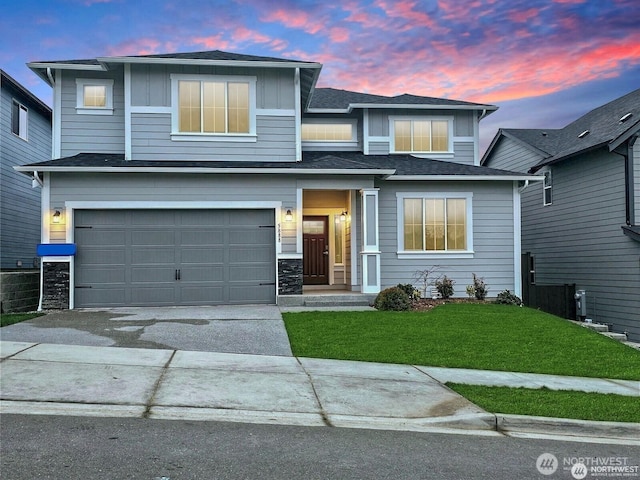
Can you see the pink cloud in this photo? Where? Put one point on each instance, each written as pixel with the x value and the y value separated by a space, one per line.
pixel 523 16
pixel 137 46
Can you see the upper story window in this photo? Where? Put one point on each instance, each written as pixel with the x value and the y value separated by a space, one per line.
pixel 435 223
pixel 213 106
pixel 547 196
pixel 19 120
pixel 327 132
pixel 421 135
pixel 94 96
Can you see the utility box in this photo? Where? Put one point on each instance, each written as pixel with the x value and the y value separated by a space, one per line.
pixel 581 304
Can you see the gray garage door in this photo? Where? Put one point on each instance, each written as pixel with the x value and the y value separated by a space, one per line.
pixel 174 257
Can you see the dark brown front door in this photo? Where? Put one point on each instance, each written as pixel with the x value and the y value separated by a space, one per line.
pixel 315 251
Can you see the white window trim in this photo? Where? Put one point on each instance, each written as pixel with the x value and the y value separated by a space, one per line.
pixel 546 187
pixel 442 154
pixel 432 254
pixel 177 135
pixel 333 121
pixel 23 121
pixel 81 109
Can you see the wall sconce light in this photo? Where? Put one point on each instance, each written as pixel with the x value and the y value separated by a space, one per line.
pixel 343 216
pixel 56 216
pixel 288 217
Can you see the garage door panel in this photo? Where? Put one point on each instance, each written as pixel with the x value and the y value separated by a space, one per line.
pixel 103 297
pixel 150 296
pixel 103 275
pixel 153 255
pixel 132 257
pixel 200 238
pixel 212 255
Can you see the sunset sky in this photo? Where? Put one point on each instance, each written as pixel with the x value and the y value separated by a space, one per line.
pixel 544 63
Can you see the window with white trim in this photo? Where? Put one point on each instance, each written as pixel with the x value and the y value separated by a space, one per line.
pixel 19 115
pixel 421 135
pixel 434 223
pixel 328 132
pixel 213 105
pixel 94 96
pixel 547 195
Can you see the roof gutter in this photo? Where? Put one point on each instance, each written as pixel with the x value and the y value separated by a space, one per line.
pixel 510 178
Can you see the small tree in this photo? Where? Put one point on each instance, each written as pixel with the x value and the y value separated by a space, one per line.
pixel 445 287
pixel 426 278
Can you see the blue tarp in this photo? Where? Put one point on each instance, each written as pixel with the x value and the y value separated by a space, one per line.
pixel 56 249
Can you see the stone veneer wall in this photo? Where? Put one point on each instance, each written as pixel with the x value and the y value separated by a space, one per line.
pixel 290 276
pixel 56 285
pixel 19 291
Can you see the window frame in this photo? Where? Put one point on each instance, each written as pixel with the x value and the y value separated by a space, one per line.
pixel 331 121
pixel 22 121
pixel 392 134
pixel 547 188
pixel 434 254
pixel 177 135
pixel 81 109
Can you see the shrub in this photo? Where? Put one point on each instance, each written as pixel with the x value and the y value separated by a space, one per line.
pixel 392 298
pixel 445 287
pixel 480 289
pixel 507 298
pixel 412 292
pixel 471 291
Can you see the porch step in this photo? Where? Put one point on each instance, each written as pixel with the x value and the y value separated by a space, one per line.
pixel 327 300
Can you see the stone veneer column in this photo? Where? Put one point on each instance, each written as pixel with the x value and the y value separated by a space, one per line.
pixel 290 276
pixel 56 285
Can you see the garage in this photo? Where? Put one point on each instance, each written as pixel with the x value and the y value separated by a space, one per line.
pixel 174 257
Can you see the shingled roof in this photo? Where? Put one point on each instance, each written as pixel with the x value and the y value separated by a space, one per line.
pixel 606 126
pixel 388 166
pixel 335 99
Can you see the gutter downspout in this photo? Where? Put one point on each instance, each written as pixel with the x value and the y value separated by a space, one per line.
pixel 628 184
pixel 50 77
pixel 523 187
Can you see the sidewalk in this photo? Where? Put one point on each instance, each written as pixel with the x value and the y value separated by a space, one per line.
pixel 175 384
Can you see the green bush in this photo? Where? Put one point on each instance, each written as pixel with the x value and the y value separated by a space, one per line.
pixel 445 287
pixel 507 298
pixel 412 292
pixel 480 289
pixel 392 298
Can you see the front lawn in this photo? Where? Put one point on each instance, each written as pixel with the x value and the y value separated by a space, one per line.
pixel 11 318
pixel 551 403
pixel 478 336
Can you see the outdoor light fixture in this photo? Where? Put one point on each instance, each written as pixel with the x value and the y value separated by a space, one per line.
pixel 343 216
pixel 288 216
pixel 56 216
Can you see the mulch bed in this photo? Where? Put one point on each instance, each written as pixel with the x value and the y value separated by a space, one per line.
pixel 424 304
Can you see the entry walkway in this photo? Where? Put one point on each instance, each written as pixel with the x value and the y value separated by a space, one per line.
pixel 176 384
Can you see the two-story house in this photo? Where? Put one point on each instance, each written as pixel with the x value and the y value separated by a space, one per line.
pixel 582 224
pixel 25 137
pixel 214 178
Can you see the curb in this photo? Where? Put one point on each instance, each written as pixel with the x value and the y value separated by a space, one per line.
pixel 564 426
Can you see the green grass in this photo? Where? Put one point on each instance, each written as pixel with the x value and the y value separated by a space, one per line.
pixel 550 403
pixel 11 318
pixel 487 337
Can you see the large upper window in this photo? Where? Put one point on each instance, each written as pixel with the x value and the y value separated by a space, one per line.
pixel 421 135
pixel 214 105
pixel 94 96
pixel 19 120
pixel 434 223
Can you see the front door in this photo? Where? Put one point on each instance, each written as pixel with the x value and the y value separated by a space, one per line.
pixel 315 250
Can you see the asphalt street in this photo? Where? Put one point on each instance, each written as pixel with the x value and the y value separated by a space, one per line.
pixel 70 448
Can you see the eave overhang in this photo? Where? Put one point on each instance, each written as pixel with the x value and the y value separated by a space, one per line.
pixel 492 178
pixel 405 106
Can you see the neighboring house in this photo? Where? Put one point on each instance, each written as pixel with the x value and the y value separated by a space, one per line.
pixel 213 177
pixel 25 137
pixel 582 225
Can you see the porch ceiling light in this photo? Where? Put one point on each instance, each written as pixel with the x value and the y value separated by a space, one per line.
pixel 343 216
pixel 56 216
pixel 288 217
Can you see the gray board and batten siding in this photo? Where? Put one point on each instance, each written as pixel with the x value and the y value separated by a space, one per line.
pixel 19 202
pixel 174 257
pixel 578 238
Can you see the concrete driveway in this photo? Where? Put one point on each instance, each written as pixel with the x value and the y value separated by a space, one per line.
pixel 251 329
